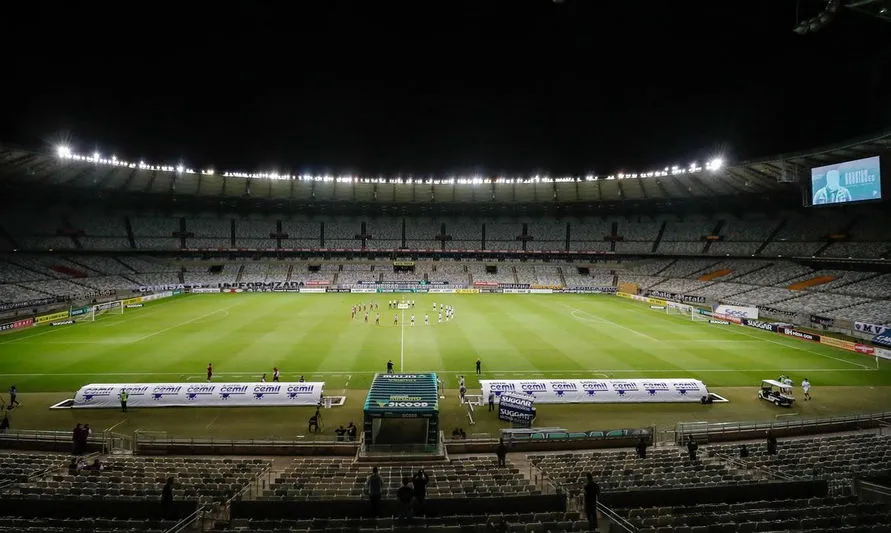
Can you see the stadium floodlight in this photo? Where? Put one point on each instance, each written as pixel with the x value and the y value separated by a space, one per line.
pixel 180 169
pixel 63 151
pixel 95 156
pixel 715 164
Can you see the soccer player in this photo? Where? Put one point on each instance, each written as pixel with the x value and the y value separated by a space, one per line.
pixel 806 387
pixel 209 371
pixel 366 317
pixel 263 378
pixel 426 319
pixel 434 306
pixel 276 375
pixel 353 312
pixel 413 321
pixel 395 320
pixel 389 366
pixel 377 320
pixel 13 397
pixel 440 318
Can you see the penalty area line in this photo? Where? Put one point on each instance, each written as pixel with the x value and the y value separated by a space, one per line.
pixel 603 321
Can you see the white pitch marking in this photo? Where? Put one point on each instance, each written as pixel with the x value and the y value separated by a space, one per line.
pixel 747 334
pixel 402 343
pixel 524 372
pixel 607 322
pixel 212 421
pixel 114 426
pixel 140 339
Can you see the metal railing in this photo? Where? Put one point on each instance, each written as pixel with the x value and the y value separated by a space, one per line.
pixel 187 522
pixel 871 492
pixel 616 519
pixel 704 429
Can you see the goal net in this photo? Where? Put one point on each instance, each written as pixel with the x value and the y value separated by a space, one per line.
pixel 96 311
pixel 698 317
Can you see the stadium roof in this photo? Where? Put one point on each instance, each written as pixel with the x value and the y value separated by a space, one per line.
pixel 107 176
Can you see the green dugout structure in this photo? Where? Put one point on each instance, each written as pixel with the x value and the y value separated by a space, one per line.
pixel 402 413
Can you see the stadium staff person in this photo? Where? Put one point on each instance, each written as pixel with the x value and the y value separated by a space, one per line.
pixel 124 397
pixel 13 397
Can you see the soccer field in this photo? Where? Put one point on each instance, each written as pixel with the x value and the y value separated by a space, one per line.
pixel 558 336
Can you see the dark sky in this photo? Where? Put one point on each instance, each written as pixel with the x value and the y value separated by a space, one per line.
pixel 442 86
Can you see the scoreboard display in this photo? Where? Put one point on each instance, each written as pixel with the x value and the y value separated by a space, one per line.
pixel 845 183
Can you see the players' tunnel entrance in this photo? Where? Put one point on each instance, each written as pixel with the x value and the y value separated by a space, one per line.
pixel 402 413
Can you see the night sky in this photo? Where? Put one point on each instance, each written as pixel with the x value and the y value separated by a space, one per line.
pixel 430 87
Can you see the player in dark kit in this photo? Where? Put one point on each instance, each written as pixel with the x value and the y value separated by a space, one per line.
pixel 478 364
pixel 390 366
pixel 209 371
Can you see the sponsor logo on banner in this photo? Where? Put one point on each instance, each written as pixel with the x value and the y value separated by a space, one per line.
pixel 541 291
pixel 339 289
pixel 18 324
pixel 363 290
pixel 514 285
pixel 62 323
pixel 34 302
pixel 862 348
pixel 441 291
pixel 588 290
pixel 157 296
pixel 134 306
pixel 757 324
pixel 657 307
pixel 467 291
pixel 591 388
pixel 882 340
pixel 676 296
pixel 792 332
pixel 485 283
pixel 883 353
pixel 822 320
pixel 312 290
pixel 53 317
pixel 77 311
pixel 737 311
pixel 131 301
pixel 205 290
pixel 107 305
pixel 838 343
pixel 722 322
pixel 776 312
pixel 598 391
pixel 874 329
pixel 200 394
pixel 515 291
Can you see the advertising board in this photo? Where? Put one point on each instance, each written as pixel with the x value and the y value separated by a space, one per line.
pixel 150 395
pixel 599 390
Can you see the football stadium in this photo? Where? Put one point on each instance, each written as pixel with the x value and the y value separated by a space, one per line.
pixel 691 348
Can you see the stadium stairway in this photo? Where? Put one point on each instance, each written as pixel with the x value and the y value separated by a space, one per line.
pixel 770 237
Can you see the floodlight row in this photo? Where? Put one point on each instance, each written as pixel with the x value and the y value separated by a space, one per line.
pixel 65 153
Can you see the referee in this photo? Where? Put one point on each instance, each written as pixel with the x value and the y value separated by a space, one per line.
pixel 124 397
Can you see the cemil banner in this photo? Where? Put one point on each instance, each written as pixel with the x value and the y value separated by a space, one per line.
pixel 53 317
pixel 599 390
pixel 150 395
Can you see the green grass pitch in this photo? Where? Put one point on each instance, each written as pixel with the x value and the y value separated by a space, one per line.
pixel 515 336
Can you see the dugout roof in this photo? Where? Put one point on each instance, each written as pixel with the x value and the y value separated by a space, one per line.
pixel 402 396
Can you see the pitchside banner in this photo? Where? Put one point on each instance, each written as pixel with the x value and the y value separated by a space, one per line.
pixel 600 390
pixel 43 319
pixel 875 329
pixel 737 311
pixel 108 395
pixel 516 408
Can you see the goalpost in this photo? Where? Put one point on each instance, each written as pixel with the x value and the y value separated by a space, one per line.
pixel 109 308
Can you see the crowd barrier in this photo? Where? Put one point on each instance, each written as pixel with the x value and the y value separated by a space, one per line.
pixel 730 431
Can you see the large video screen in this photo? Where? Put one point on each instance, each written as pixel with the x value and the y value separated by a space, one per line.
pixel 851 181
